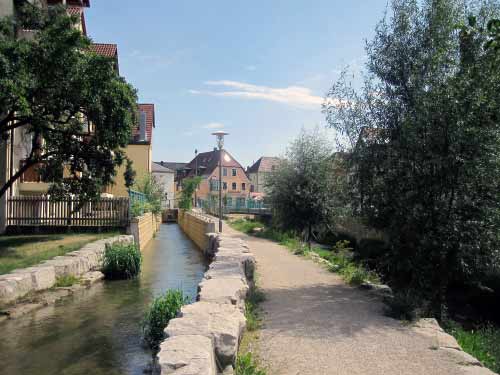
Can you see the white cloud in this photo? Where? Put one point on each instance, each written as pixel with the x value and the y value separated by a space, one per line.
pixel 213 125
pixel 297 96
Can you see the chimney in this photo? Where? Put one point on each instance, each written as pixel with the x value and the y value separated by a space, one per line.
pixel 142 127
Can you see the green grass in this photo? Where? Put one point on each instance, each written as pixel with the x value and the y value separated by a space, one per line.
pixel 21 251
pixel 252 312
pixel 245 226
pixel 246 365
pixel 66 281
pixel 482 343
pixel 353 273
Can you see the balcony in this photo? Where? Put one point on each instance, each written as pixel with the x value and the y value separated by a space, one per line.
pixel 31 181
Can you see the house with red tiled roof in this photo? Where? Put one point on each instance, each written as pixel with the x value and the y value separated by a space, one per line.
pixel 139 150
pixel 107 50
pixel 235 182
pixel 259 172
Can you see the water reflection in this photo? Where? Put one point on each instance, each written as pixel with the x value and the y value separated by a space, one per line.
pixel 98 331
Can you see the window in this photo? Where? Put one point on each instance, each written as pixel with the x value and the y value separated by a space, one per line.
pixel 214 185
pixel 224 185
pixel 224 171
pixel 229 202
pixel 233 186
pixel 234 172
pixel 243 186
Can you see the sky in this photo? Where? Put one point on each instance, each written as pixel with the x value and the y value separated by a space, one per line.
pixel 258 70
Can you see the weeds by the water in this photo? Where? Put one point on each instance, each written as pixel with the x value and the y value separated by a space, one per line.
pixel 160 312
pixel 122 261
pixel 66 281
pixel 482 343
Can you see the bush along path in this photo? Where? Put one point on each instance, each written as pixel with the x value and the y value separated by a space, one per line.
pixel 315 323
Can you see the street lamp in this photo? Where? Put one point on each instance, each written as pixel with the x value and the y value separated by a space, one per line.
pixel 196 176
pixel 220 143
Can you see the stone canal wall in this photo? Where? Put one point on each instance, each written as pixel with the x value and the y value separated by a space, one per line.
pixel 19 283
pixel 198 227
pixel 143 228
pixel 204 339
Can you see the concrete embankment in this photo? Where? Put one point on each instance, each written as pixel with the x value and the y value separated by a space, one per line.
pixel 204 339
pixel 80 263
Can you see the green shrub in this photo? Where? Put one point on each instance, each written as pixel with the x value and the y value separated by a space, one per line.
pixel 160 312
pixel 371 249
pixel 245 365
pixel 482 343
pixel 66 281
pixel 405 305
pixel 121 261
pixel 138 208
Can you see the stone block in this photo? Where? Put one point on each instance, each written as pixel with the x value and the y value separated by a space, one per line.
pixel 14 286
pixel 225 269
pixel 187 355
pixel 247 260
pixel 42 277
pixel 223 323
pixel 67 266
pixel 224 290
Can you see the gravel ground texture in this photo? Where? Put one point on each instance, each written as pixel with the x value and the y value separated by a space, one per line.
pixel 314 324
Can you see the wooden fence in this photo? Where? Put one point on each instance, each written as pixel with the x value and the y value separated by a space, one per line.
pixel 42 211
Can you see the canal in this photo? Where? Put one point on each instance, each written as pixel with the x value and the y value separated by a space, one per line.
pixel 99 331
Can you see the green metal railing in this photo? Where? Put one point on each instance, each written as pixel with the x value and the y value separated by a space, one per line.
pixel 134 198
pixel 235 205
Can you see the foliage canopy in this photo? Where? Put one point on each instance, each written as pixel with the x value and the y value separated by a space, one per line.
pixel 424 135
pixel 68 104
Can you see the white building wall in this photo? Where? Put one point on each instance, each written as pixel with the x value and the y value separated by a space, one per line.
pixel 166 179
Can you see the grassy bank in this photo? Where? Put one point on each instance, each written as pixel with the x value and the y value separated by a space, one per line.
pixel 339 258
pixel 20 251
pixel 482 343
pixel 247 363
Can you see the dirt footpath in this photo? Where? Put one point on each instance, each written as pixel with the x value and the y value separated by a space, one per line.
pixel 314 324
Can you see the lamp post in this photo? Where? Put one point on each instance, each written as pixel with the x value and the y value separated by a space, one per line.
pixel 196 176
pixel 220 143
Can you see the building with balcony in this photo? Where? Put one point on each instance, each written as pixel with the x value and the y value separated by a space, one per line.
pixel 235 183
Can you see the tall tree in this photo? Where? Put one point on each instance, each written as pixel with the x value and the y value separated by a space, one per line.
pixel 303 190
pixel 69 104
pixel 425 138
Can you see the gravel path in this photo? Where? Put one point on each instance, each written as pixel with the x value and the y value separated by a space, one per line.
pixel 313 324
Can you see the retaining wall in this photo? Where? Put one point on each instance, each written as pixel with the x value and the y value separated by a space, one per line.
pixel 19 283
pixel 144 227
pixel 205 337
pixel 197 227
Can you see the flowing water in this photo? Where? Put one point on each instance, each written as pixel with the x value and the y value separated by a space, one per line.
pixel 98 332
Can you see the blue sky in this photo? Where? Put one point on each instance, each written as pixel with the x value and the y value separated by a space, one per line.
pixel 258 69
